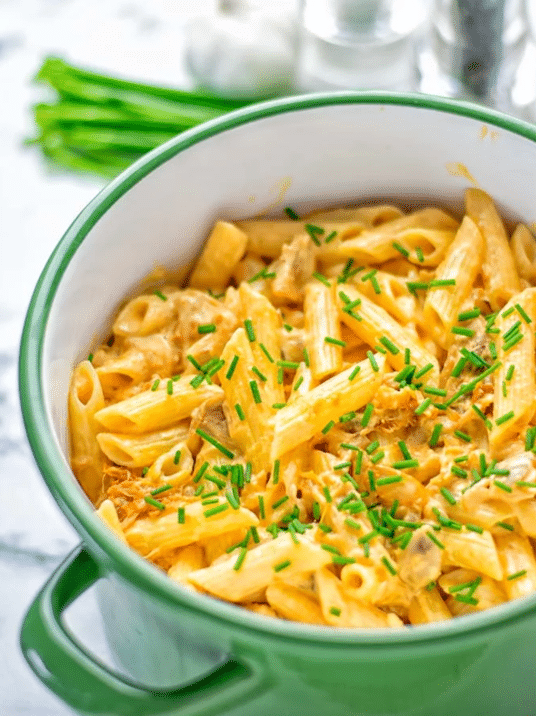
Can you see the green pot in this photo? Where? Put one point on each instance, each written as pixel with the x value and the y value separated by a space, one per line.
pixel 190 654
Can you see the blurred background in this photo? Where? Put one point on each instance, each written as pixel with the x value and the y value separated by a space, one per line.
pixel 87 87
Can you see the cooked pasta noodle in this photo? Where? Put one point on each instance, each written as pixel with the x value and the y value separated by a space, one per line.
pixel 334 423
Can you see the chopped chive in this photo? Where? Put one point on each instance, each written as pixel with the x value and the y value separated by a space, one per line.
pixel 231 499
pixel 463 436
pixel 367 415
pixel 419 410
pixel 291 214
pixel 240 412
pixel 474 528
pixel 155 385
pixel 280 375
pixel 278 406
pixel 162 488
pixel 388 565
pixel 288 364
pixel 419 253
pixel 354 372
pixel 316 510
pixel 325 528
pixel 335 341
pixel 195 382
pixel 517 575
pixel 449 497
pixel 215 443
pixel 373 363
pixel 523 313
pixel 342 465
pixel 466 599
pixel 377 457
pixel 403 464
pixel 306 357
pixel 169 387
pixel 512 342
pixel 522 483
pixel 266 352
pixel 461 331
pixel 258 275
pixel 330 548
pixel 389 480
pixel 423 371
pixel 347 417
pixel 351 305
pixel 389 345
pixel 482 415
pixel 348 446
pixel 160 295
pixel 458 471
pixel 206 328
pixel 248 325
pixel 259 374
pixel 241 557
pixel 405 373
pixel 369 275
pixel 287 327
pixel 436 432
pixel 330 237
pixel 193 361
pixel 275 472
pixel 327 493
pixel 502 485
pixel 375 285
pixel 151 501
pixel 314 232
pixel 247 472
pixel 177 457
pixel 181 517
pixel 255 391
pixel 280 502
pixel 372 446
pixel 232 367
pixel 510 372
pixel 460 365
pixel 505 526
pixel 340 559
pixel 468 315
pixel 261 507
pixel 434 539
pixel 432 390
pixel 352 524
pixel 322 279
pixel 514 328
pixel 441 282
pixel 504 418
pixel 407 356
pixel 372 483
pixel 216 480
pixel 328 427
pixel 472 585
pixel 400 249
pixel 199 474
pixel 415 286
pixel 216 510
pixel 461 458
pixel 508 312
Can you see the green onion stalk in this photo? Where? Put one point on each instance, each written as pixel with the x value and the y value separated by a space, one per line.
pixel 101 124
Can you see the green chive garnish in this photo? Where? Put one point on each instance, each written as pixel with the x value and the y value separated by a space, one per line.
pixel 216 510
pixel 282 565
pixel 160 295
pixel 266 353
pixel 400 249
pixel 449 497
pixel 151 501
pixel 502 485
pixel 523 313
pixel 389 480
pixel 275 472
pixel 468 315
pixel 505 526
pixel 177 457
pixel 215 443
pixel 241 556
pixel 240 412
pixel 155 385
pixel 441 282
pixel 259 374
pixel 248 325
pixel 463 436
pixel 280 502
pixel 169 387
pixel 504 418
pixel 354 372
pixel 232 367
pixel 517 575
pixel 389 566
pixel 434 539
pixel 291 214
pixel 389 345
pixel 404 464
pixel 373 363
pixel 474 528
pixel 335 341
pixel 459 330
pixel 436 432
pixel 255 391
pixel 206 328
pixel 367 415
pixel 327 493
pixel 328 427
pixel 322 279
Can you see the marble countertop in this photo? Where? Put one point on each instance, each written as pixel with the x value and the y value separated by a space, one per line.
pixel 129 37
pixel 37 205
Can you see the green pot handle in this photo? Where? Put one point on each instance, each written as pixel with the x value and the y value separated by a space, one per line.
pixel 88 686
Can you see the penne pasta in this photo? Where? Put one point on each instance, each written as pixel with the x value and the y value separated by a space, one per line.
pixel 333 423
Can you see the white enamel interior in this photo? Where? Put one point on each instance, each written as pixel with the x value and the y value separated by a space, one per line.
pixel 331 154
